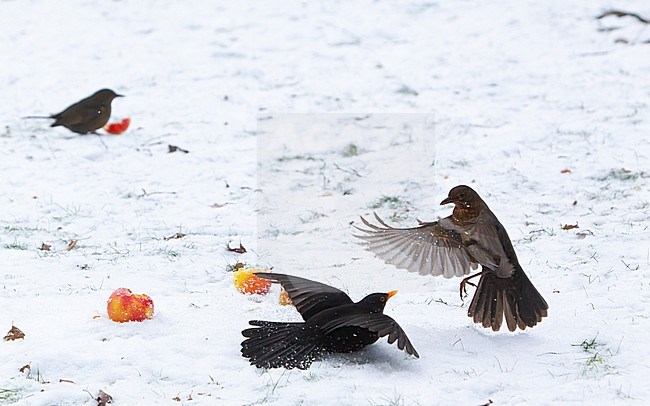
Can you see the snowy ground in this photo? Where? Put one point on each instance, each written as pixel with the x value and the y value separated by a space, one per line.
pixel 298 118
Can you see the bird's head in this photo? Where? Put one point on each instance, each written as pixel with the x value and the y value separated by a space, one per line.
pixel 463 196
pixel 106 95
pixel 377 301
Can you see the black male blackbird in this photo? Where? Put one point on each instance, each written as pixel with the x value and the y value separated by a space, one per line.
pixel 472 235
pixel 87 115
pixel 333 323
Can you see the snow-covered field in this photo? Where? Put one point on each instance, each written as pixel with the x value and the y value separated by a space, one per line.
pixel 298 118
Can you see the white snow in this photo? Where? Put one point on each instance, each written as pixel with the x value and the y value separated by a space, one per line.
pixel 267 98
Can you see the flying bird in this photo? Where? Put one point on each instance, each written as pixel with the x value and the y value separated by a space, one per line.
pixel 87 115
pixel 332 323
pixel 455 245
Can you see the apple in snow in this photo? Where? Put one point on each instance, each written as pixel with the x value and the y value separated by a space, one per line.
pixel 124 305
pixel 118 127
pixel 246 282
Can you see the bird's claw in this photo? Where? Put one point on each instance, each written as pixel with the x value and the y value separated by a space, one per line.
pixel 463 288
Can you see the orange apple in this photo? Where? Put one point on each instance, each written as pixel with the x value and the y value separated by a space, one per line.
pixel 123 305
pixel 284 299
pixel 246 282
pixel 119 127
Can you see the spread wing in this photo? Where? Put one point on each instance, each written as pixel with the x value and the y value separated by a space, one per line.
pixel 430 248
pixel 309 297
pixel 378 323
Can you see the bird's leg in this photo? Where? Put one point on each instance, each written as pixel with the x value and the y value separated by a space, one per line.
pixel 463 288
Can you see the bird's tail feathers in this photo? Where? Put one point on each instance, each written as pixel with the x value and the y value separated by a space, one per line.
pixel 515 298
pixel 276 344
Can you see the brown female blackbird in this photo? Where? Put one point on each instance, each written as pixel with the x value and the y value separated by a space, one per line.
pixel 87 115
pixel 333 323
pixel 472 235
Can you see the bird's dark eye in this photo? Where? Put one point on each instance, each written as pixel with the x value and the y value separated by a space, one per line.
pixel 382 299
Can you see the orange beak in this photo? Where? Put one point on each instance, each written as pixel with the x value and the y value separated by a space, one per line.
pixel 391 294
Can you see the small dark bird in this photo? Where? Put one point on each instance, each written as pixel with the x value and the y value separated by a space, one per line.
pixel 332 323
pixel 87 115
pixel 453 246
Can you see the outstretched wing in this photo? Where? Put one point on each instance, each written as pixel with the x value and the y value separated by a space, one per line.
pixel 375 322
pixel 309 297
pixel 428 249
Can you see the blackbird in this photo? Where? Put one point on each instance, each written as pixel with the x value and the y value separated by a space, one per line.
pixel 87 115
pixel 332 323
pixel 472 235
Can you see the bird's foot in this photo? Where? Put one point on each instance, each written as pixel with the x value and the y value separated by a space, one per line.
pixel 463 288
pixel 464 283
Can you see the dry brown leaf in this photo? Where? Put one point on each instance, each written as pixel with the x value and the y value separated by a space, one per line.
pixel 45 247
pixel 104 398
pixel 14 334
pixel 65 380
pixel 565 170
pixel 174 148
pixel 570 226
pixel 174 237
pixel 72 244
pixel 239 250
pixel 236 267
pixel 176 398
pixel 24 368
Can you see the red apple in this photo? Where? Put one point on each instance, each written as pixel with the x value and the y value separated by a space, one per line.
pixel 119 127
pixel 123 305
pixel 246 282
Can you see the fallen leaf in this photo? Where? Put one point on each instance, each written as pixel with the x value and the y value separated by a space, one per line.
pixel 176 398
pixel 14 334
pixel 65 380
pixel 72 244
pixel 236 267
pixel 174 237
pixel 575 202
pixel 565 170
pixel 174 148
pixel 556 291
pixel 239 250
pixel 104 398
pixel 97 316
pixel 45 247
pixel 24 368
pixel 569 226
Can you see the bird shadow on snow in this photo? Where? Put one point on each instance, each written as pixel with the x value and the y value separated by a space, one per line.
pixel 375 357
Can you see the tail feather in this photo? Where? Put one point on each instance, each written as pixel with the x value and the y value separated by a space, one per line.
pixel 275 345
pixel 515 298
